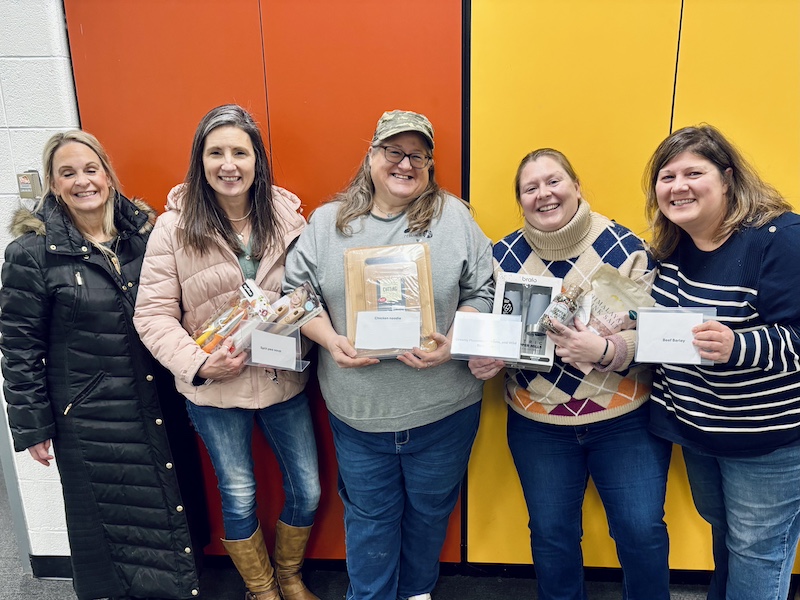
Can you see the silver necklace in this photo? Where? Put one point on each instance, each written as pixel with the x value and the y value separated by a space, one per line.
pixel 388 215
pixel 240 234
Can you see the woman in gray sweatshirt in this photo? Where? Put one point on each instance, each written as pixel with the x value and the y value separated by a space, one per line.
pixel 403 427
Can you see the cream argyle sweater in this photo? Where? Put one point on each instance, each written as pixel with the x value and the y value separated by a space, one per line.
pixel 565 396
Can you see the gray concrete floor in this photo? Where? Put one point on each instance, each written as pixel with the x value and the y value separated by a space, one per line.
pixel 221 582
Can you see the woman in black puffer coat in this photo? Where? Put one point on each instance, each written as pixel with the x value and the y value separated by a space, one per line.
pixel 76 373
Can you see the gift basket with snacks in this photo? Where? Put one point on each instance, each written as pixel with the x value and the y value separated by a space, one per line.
pixel 249 310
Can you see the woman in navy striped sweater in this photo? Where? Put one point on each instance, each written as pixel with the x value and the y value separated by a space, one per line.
pixel 723 238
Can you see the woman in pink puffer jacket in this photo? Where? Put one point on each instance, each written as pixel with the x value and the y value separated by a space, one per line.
pixel 228 223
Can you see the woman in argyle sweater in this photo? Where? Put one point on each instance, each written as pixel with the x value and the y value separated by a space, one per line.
pixel 566 425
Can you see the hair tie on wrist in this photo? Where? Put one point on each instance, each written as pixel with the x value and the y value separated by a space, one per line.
pixel 602 356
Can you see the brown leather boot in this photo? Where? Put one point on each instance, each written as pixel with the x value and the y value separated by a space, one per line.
pixel 290 548
pixel 251 559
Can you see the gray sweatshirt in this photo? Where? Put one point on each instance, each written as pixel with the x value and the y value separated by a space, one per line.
pixel 391 396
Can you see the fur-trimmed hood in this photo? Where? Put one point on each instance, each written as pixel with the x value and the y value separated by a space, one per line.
pixel 27 221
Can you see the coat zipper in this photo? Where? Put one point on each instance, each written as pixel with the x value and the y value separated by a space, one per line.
pixel 86 391
pixel 78 278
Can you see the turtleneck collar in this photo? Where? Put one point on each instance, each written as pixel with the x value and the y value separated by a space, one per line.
pixel 569 241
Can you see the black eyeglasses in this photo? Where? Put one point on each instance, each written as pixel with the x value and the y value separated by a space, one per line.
pixel 396 156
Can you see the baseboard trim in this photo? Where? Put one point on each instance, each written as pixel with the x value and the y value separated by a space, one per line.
pixel 51 567
pixel 59 567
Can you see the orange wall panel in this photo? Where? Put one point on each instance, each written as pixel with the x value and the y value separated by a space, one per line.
pixel 331 72
pixel 316 80
pixel 146 71
pixel 330 75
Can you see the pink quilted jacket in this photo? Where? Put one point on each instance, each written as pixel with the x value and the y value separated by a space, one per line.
pixel 179 290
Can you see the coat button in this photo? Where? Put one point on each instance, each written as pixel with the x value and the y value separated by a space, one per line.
pixel 149 378
pixel 124 288
pixel 773 229
pixel 168 465
pixel 195 592
pixel 86 257
pixel 179 508
pixel 159 422
pixel 187 550
pixel 52 246
pixel 84 249
pixel 130 284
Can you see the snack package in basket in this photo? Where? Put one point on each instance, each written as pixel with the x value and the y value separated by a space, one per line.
pixel 249 310
pixel 297 307
pixel 237 319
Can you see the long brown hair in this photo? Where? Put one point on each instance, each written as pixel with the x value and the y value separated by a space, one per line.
pixel 750 201
pixel 202 218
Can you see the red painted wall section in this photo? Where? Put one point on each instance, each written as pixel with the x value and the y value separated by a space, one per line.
pixel 315 75
pixel 146 71
pixel 333 69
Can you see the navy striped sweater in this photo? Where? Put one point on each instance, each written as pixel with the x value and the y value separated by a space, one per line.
pixel 751 404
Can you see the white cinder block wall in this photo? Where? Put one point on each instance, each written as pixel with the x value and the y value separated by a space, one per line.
pixel 37 99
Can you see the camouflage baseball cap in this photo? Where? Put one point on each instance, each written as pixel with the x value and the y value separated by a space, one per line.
pixel 399 121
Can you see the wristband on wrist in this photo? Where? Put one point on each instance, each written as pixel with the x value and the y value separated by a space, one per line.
pixel 602 356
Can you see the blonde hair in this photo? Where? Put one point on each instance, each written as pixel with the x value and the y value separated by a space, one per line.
pixel 48 158
pixel 750 201
pixel 536 155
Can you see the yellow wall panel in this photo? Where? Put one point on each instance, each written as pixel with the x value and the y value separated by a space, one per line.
pixel 497 520
pixel 739 70
pixel 593 80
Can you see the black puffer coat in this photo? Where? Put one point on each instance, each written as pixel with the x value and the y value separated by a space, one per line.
pixel 75 372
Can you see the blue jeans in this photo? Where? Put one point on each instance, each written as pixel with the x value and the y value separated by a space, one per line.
pixel 629 468
pixel 753 505
pixel 227 435
pixel 398 491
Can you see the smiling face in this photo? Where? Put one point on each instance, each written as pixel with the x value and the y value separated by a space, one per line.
pixel 79 179
pixel 229 163
pixel 548 196
pixel 399 184
pixel 691 192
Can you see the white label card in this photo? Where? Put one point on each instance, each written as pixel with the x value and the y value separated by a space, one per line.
pixel 273 350
pixel 489 335
pixel 666 337
pixel 379 329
